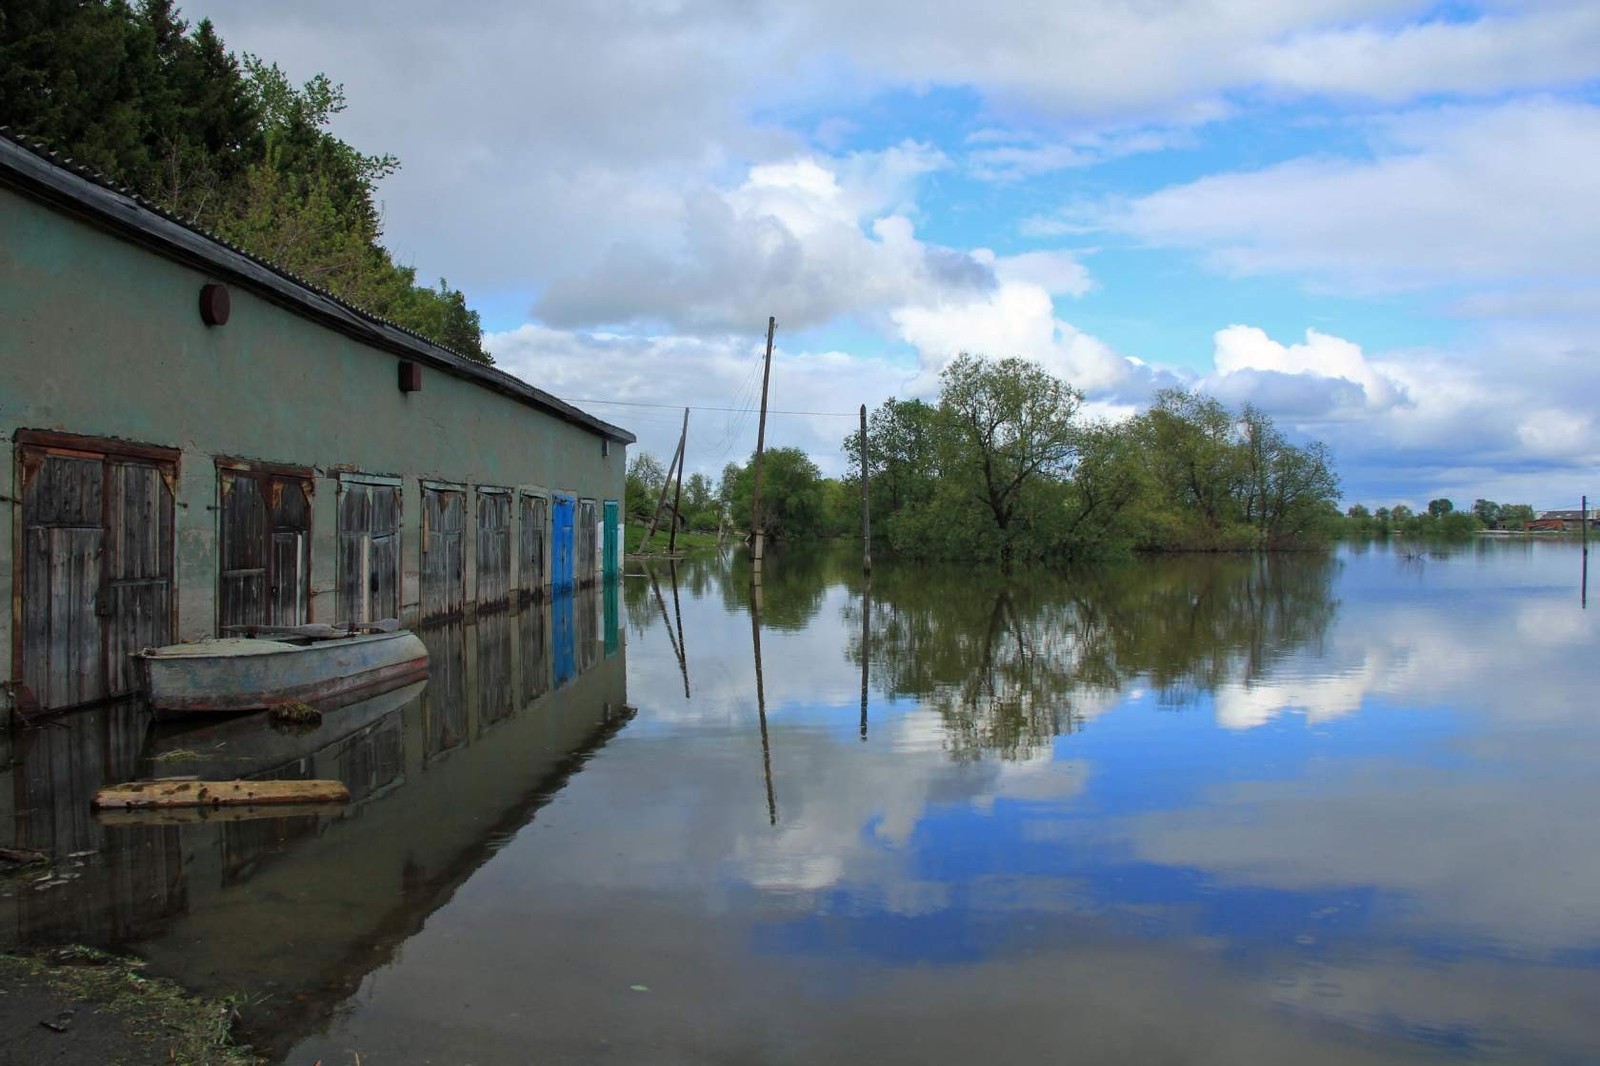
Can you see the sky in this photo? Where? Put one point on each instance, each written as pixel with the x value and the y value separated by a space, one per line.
pixel 1376 220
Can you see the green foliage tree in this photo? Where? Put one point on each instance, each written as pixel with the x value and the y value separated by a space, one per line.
pixel 1006 426
pixel 227 143
pixel 791 495
pixel 642 485
pixel 1516 515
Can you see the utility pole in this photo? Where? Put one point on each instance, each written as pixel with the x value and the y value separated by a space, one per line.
pixel 756 535
pixel 866 507
pixel 677 493
pixel 676 466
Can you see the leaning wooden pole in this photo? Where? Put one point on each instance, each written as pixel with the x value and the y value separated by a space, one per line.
pixel 675 465
pixel 866 505
pixel 757 537
pixel 677 492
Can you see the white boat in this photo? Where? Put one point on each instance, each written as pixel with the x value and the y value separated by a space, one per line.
pixel 309 664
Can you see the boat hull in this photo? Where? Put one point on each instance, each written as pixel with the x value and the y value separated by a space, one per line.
pixel 227 676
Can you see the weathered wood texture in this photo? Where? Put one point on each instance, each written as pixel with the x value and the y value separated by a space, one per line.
pixel 265 550
pixel 531 577
pixel 494 547
pixel 140 794
pixel 444 519
pixel 588 540
pixel 561 546
pixel 166 816
pixel 97 581
pixel 369 552
pixel 535 636
pixel 497 693
pixel 444 701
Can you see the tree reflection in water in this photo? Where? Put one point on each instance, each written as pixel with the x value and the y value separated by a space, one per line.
pixel 1007 663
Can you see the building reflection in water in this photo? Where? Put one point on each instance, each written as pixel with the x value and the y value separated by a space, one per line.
pixel 298 907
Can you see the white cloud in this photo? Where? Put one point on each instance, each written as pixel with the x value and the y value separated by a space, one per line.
pixel 1248 362
pixel 1017 318
pixel 673 372
pixel 801 239
pixel 1481 195
pixel 1538 47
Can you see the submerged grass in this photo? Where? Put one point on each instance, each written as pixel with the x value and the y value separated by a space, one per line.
pixel 158 1016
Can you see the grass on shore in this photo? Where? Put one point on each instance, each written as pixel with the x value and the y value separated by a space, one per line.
pixel 159 1016
pixel 633 537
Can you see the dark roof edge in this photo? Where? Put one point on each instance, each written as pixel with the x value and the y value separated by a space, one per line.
pixel 31 169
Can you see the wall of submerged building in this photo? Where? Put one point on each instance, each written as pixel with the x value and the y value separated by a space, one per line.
pixel 182 478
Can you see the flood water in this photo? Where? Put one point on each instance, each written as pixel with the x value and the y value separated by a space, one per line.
pixel 1306 809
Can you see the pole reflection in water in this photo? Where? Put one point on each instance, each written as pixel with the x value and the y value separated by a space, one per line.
pixel 866 647
pixel 761 701
pixel 297 908
pixel 672 638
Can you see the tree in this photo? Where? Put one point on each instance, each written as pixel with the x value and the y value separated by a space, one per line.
pixel 229 144
pixel 644 479
pixel 1004 425
pixel 791 494
pixel 1199 470
pixel 1440 507
pixel 1487 512
pixel 902 452
pixel 1516 515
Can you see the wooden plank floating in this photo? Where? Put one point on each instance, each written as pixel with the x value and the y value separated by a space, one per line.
pixel 148 816
pixel 178 793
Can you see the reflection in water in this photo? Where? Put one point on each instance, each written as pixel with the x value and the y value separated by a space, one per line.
pixel 1007 663
pixel 297 907
pixel 1193 810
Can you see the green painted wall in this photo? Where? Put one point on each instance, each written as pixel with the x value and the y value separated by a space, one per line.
pixel 104 338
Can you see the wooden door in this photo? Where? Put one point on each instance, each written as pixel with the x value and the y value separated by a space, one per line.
pixel 494 547
pixel 265 549
pixel 95 569
pixel 561 543
pixel 444 521
pixel 531 544
pixel 588 541
pixel 369 551
pixel 610 531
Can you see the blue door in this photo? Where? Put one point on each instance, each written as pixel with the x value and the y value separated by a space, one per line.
pixel 561 546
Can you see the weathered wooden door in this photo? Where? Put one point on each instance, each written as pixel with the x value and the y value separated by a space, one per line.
pixel 610 530
pixel 96 566
pixel 588 541
pixel 265 548
pixel 494 547
pixel 530 550
pixel 561 543
pixel 369 551
pixel 444 522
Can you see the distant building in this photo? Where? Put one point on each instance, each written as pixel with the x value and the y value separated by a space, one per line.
pixel 200 441
pixel 1560 521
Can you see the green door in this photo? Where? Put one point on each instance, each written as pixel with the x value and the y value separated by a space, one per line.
pixel 609 556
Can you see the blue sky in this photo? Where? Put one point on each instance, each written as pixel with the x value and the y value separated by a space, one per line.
pixel 1375 219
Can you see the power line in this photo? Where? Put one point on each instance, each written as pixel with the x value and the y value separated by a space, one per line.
pixel 692 407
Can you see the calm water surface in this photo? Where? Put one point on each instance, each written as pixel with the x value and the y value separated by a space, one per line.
pixel 1200 810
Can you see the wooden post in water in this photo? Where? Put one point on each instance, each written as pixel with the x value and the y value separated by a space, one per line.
pixel 677 493
pixel 1583 524
pixel 866 507
pixel 756 535
pixel 675 465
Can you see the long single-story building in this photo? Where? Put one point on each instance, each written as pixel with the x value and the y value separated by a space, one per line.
pixel 200 441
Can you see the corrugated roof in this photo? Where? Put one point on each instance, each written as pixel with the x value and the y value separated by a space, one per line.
pixel 33 170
